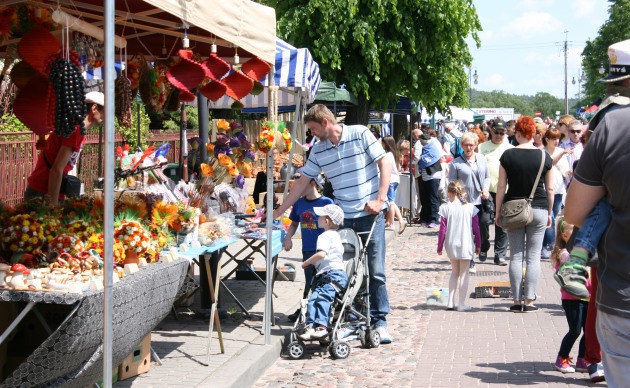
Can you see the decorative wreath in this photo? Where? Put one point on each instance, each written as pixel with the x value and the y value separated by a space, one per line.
pixel 271 137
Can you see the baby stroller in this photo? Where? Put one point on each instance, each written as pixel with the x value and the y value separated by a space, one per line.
pixel 350 311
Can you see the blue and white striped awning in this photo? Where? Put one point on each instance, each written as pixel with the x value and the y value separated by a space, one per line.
pixel 294 69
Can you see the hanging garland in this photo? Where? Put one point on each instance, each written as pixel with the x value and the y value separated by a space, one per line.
pixel 69 87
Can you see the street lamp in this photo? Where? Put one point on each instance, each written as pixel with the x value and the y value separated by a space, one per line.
pixel 601 69
pixel 579 82
pixel 471 78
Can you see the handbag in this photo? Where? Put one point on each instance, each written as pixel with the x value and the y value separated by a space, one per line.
pixel 518 213
pixel 70 184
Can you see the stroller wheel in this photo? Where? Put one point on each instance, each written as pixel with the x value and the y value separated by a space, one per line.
pixel 296 350
pixel 370 339
pixel 339 350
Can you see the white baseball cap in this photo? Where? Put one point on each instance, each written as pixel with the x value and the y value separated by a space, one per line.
pixel 333 211
pixel 619 57
pixel 95 98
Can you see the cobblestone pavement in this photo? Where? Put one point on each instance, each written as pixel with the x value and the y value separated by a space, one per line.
pixel 488 346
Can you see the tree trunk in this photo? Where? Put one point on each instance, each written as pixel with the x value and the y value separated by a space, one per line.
pixel 358 114
pixel 401 127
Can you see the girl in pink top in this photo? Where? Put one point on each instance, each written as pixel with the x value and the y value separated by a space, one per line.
pixel 575 309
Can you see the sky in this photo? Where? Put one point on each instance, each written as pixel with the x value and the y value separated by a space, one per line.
pixel 522 43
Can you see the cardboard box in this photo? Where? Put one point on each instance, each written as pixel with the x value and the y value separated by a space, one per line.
pixel 138 362
pixel 493 289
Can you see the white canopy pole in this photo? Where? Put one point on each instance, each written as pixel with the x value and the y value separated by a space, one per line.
pixel 272 112
pixel 108 195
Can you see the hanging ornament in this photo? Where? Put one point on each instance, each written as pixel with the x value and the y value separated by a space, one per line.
pixel 256 69
pixel 186 75
pixel 213 90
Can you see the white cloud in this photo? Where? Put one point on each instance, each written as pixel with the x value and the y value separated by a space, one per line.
pixel 583 9
pixel 531 24
pixel 486 36
pixel 496 81
pixel 535 4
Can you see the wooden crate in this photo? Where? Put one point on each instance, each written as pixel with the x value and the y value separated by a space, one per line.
pixel 493 289
pixel 138 362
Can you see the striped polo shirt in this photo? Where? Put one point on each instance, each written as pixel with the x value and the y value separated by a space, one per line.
pixel 350 167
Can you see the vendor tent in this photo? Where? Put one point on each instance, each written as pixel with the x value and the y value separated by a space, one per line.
pixel 294 69
pixel 329 92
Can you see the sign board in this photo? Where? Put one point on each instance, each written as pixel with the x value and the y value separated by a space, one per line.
pixel 490 113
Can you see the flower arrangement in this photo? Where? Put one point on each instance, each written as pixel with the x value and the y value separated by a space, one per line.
pixel 23 233
pixel 82 228
pixel 186 219
pixel 231 153
pixel 69 243
pixel 274 137
pixel 132 236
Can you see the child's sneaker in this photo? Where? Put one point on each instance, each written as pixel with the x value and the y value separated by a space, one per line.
pixel 308 333
pixel 319 333
pixel 596 372
pixel 564 365
pixel 581 365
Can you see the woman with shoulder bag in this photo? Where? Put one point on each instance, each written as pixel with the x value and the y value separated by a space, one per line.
pixel 60 155
pixel 525 210
pixel 472 169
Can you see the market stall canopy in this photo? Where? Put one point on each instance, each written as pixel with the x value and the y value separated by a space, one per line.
pixel 328 92
pixel 155 28
pixel 295 69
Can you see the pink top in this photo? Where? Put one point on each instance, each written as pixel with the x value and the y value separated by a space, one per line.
pixel 564 256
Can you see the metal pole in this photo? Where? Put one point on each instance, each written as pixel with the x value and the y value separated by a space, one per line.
pixel 108 195
pixel 202 107
pixel 269 226
pixel 138 106
pixel 566 81
pixel 184 145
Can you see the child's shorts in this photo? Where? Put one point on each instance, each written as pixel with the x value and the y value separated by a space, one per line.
pixel 391 192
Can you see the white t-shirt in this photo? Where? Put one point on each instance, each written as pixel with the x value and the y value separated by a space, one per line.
pixel 329 242
pixel 395 177
pixel 459 242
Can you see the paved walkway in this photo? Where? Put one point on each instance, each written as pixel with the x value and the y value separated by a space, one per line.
pixel 487 347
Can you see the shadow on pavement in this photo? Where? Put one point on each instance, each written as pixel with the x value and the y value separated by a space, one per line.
pixel 527 373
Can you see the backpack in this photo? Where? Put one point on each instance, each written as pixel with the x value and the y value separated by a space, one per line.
pixel 456 148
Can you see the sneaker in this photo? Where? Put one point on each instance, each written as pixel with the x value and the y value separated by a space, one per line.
pixel 596 372
pixel 500 261
pixel 472 268
pixel 483 256
pixel 564 365
pixel 545 253
pixel 581 365
pixel 464 308
pixel 319 332
pixel 432 225
pixel 386 338
pixel 530 309
pixel 307 334
pixel 517 308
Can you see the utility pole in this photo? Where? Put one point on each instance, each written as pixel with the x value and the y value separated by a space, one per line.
pixel 566 96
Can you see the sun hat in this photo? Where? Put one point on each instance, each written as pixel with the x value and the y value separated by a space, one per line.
pixel 333 211
pixel 619 57
pixel 95 98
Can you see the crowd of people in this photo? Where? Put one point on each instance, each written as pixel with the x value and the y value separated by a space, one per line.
pixel 471 178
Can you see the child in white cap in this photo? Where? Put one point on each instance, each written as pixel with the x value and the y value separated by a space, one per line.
pixel 331 276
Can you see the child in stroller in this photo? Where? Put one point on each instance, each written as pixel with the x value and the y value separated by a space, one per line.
pixel 331 274
pixel 344 315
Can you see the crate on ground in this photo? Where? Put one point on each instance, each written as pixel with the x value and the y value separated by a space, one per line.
pixel 138 362
pixel 493 289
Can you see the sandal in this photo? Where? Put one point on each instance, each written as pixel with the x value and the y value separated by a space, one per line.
pixel 403 225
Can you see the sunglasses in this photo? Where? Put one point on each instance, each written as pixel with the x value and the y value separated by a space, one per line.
pixel 575 132
pixel 499 133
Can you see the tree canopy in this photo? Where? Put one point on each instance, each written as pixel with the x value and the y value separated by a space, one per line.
pixel 544 102
pixel 595 54
pixel 381 48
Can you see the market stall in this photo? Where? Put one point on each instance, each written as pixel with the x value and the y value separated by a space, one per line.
pixel 152 29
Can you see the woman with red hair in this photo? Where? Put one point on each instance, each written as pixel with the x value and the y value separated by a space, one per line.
pixel 518 171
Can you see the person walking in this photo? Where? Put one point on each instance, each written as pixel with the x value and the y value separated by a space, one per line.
pixel 519 170
pixel 492 151
pixel 471 169
pixel 431 174
pixel 389 145
pixel 354 162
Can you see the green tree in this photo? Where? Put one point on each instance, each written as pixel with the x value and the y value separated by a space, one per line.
pixel 379 48
pixel 595 54
pixel 547 104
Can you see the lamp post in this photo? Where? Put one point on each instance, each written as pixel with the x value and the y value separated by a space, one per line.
pixel 471 78
pixel 579 82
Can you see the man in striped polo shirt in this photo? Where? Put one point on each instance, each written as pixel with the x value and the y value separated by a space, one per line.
pixel 353 161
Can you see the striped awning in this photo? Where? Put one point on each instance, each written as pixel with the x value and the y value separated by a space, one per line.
pixel 294 69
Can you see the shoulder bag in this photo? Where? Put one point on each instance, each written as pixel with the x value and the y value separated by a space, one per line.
pixel 70 184
pixel 518 213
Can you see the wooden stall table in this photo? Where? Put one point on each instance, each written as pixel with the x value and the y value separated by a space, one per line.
pixel 73 353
